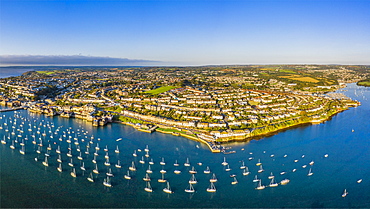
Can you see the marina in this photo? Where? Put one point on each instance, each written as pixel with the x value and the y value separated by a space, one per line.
pixel 64 146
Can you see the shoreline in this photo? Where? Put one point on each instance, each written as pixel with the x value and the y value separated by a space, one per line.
pixel 214 148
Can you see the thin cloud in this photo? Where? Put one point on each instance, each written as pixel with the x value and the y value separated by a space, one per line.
pixel 68 60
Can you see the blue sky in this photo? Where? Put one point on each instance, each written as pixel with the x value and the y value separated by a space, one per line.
pixel 187 32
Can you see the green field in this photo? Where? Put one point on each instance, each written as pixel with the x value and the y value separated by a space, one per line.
pixel 46 72
pixel 287 71
pixel 364 83
pixel 160 90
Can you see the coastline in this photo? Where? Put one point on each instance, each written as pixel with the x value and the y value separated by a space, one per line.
pixel 266 131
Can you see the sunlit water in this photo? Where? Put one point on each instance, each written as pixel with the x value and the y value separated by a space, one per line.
pixel 28 183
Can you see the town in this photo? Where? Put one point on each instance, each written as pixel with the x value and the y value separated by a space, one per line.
pixel 211 104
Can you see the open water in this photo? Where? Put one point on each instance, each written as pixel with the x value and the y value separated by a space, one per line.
pixel 345 139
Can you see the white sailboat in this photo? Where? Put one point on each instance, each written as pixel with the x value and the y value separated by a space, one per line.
pixel 109 173
pixel 83 166
pixel 271 176
pixel 176 163
pixel 90 178
pixel 107 163
pixel 168 189
pixel 162 170
pixel 261 169
pixel 127 176
pixel 211 188
pixel 149 170
pixel 193 171
pixel 3 141
pixel 45 162
pixel 273 183
pixel 228 168
pixel 224 163
pixel 177 171
pixel 207 171
pixel 118 165
pixel 193 180
pixel 246 171
pixel 94 159
pixel 60 167
pixel 187 163
pixel 151 162
pixel 148 188
pixel 260 186
pixel 71 163
pixel 146 178
pixel 162 162
pixel 132 167
pixel 12 146
pixel 310 172
pixel 190 189
pixel 146 148
pixel 162 180
pixel 96 169
pixel 345 193
pixel 73 173
pixel 59 158
pixel 142 161
pixel 134 154
pixel 107 182
pixel 213 179
pixel 58 150
pixel 256 179
pixel 80 156
pixel 22 151
pixel 87 151
pixel 243 165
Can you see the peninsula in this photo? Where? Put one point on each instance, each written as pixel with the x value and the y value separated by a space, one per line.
pixel 211 104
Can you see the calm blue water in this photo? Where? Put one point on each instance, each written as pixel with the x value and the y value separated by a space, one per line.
pixel 13 71
pixel 27 183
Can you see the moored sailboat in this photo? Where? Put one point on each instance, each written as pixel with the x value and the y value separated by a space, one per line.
pixel 162 180
pixel 147 177
pixel 207 171
pixel 260 186
pixel 213 179
pixel 148 188
pixel 60 167
pixel 45 162
pixel 107 182
pixel 118 165
pixel 127 176
pixel 193 180
pixel 246 171
pixel 168 189
pixel 211 188
pixel 73 173
pixel 90 178
pixel 190 189
pixel 273 183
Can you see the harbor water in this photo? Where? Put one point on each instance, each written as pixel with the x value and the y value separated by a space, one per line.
pixel 336 152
